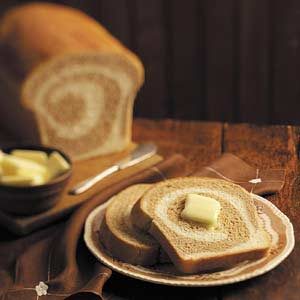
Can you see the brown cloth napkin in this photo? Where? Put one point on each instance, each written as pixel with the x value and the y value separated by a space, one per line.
pixel 55 264
pixel 231 168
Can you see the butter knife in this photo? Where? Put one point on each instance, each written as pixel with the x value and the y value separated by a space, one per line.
pixel 139 154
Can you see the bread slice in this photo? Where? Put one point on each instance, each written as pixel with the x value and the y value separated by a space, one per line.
pixel 123 240
pixel 66 80
pixel 191 247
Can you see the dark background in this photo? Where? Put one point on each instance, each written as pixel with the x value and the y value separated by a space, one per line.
pixel 225 60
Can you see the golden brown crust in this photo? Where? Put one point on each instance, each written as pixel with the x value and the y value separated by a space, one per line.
pixel 35 33
pixel 121 239
pixel 140 218
pixel 125 251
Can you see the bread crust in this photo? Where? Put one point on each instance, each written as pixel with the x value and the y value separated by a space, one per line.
pixel 34 33
pixel 140 218
pixel 131 247
pixel 121 249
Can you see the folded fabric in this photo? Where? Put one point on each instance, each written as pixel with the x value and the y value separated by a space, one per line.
pixel 232 168
pixel 54 263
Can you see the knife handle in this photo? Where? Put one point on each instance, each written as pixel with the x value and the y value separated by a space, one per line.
pixel 85 185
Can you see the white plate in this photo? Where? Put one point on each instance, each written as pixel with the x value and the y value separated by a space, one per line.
pixel 275 222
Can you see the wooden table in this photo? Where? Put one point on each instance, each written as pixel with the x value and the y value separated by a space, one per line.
pixel 201 143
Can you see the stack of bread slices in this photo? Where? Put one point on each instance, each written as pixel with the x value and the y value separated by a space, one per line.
pixel 143 225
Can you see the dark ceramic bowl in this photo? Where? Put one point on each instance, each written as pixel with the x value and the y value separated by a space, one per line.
pixel 31 200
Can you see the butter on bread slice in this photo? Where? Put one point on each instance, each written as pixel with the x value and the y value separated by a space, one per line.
pixel 121 238
pixel 201 209
pixel 192 248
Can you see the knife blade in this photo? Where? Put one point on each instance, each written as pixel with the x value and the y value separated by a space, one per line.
pixel 139 154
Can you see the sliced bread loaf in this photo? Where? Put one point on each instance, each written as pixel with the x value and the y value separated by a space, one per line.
pixel 239 234
pixel 66 80
pixel 123 240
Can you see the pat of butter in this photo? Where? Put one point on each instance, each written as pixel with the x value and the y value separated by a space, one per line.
pixel 30 167
pixel 37 178
pixel 16 180
pixel 202 209
pixel 57 164
pixel 40 157
pixel 1 158
pixel 11 165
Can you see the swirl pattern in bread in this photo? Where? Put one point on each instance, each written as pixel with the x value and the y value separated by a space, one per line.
pixel 66 80
pixel 123 240
pixel 192 248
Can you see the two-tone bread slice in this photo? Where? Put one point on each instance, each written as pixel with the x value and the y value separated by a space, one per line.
pixel 237 236
pixel 121 238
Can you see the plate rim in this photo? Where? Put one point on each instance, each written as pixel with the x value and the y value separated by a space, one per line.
pixel 289 233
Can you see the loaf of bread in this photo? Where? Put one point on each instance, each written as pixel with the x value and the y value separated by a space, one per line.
pixel 238 236
pixel 65 81
pixel 123 240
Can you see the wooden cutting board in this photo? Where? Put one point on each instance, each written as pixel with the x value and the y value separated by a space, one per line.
pixel 22 225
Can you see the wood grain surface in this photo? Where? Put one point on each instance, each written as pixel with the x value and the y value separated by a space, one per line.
pixel 201 143
pixel 229 61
